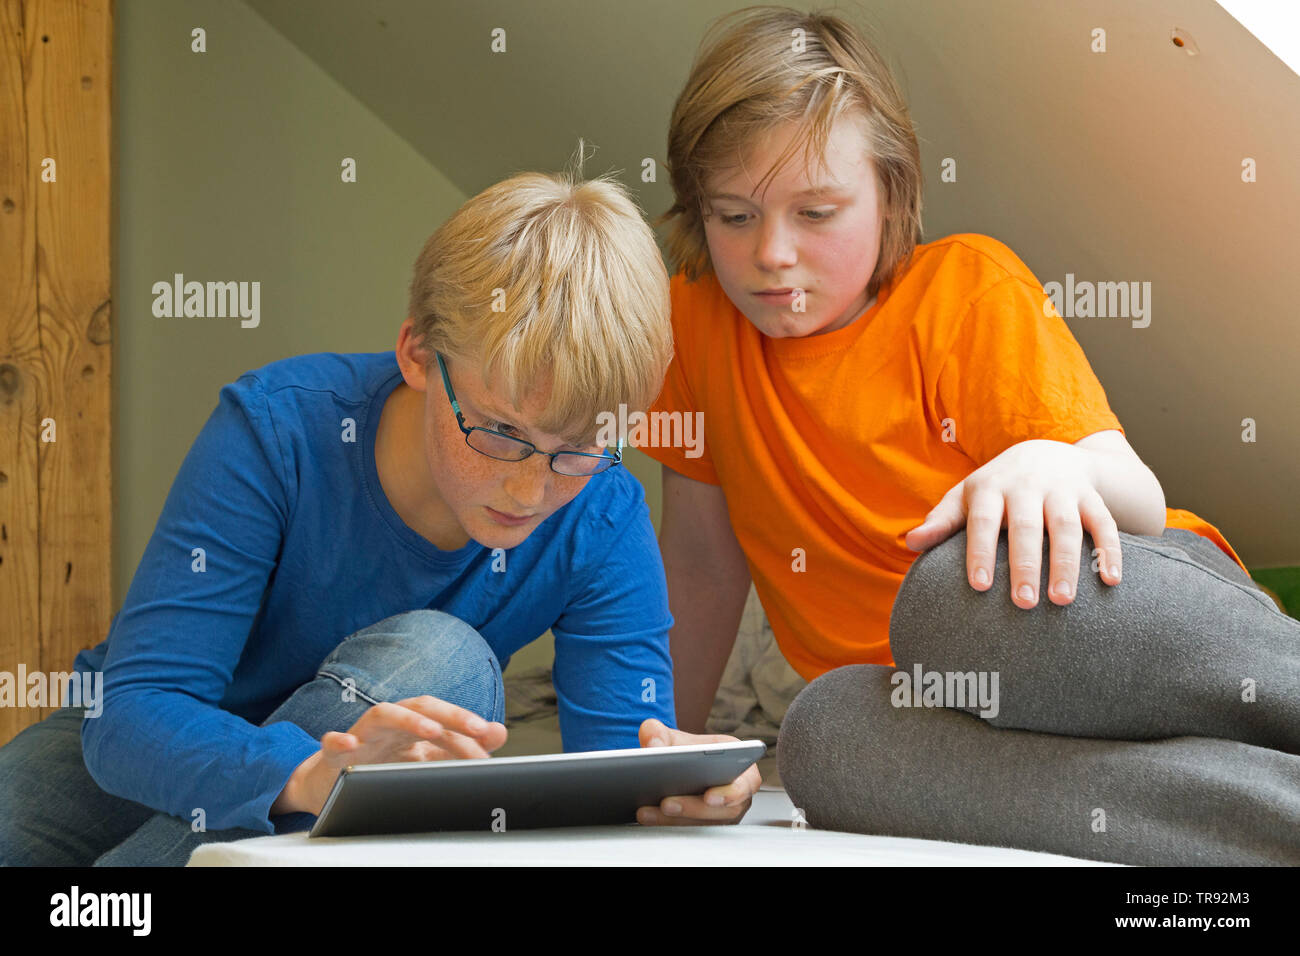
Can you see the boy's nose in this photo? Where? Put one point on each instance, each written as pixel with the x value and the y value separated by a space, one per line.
pixel 775 247
pixel 528 481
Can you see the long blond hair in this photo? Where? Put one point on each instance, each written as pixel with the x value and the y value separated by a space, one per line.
pixel 761 67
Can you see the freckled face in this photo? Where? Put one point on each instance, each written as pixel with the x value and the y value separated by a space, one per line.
pixel 497 503
pixel 821 236
pixel 463 494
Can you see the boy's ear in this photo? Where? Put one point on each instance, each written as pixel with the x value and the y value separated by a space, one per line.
pixel 417 362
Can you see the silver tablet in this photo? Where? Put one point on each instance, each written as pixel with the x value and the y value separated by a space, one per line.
pixel 519 793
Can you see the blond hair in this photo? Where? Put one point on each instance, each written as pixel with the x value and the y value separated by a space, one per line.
pixel 747 78
pixel 547 276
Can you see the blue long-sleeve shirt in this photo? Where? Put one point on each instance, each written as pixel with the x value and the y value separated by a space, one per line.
pixel 299 549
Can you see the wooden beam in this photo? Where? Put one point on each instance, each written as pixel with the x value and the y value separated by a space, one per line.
pixel 55 337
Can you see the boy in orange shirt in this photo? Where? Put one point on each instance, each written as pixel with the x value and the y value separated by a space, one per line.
pixel 866 398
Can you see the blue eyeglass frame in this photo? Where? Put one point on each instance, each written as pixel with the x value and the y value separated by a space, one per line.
pixel 616 458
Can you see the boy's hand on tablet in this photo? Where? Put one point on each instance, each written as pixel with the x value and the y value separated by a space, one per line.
pixel 1031 485
pixel 417 728
pixel 733 799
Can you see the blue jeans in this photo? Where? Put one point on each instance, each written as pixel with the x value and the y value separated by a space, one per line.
pixel 52 813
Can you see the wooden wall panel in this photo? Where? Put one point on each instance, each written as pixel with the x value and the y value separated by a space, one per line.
pixel 55 337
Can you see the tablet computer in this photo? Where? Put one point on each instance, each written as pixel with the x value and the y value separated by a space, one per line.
pixel 516 793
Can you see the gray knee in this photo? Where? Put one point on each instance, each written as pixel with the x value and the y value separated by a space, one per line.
pixel 937 614
pixel 853 759
pixel 832 736
pixel 1207 553
pixel 935 600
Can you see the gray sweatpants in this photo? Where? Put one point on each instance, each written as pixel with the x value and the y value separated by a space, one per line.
pixel 1154 722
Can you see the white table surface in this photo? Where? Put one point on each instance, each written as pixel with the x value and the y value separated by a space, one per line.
pixel 765 837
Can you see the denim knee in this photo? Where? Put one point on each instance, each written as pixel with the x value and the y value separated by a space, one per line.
pixel 52 813
pixel 417 653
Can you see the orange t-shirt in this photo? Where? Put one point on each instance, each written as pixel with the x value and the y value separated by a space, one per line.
pixel 830 448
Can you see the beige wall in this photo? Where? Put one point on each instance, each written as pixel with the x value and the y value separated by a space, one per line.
pixel 228 169
pixel 1122 166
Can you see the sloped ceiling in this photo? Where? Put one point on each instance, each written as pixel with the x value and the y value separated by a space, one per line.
pixel 1116 166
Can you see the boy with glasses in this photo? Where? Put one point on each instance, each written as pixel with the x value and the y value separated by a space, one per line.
pixel 412 529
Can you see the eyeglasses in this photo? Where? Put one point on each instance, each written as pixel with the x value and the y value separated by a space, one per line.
pixel 503 447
